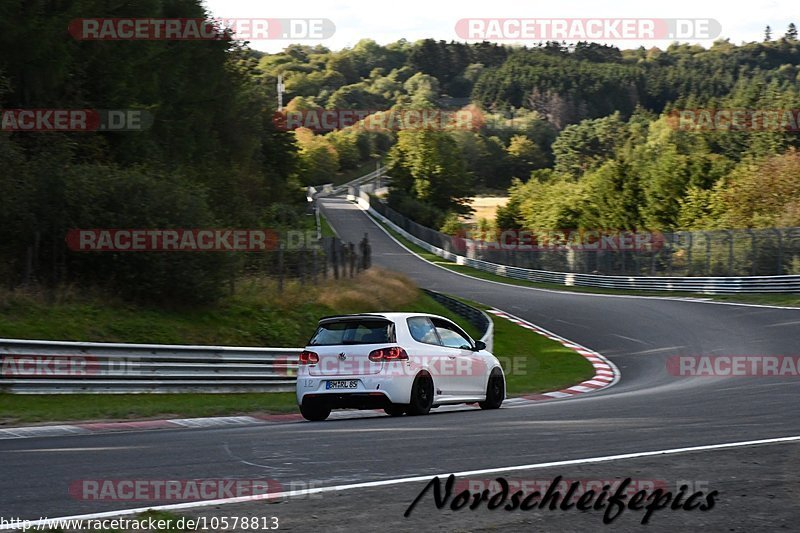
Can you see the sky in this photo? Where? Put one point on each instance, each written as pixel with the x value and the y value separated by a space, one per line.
pixel 386 22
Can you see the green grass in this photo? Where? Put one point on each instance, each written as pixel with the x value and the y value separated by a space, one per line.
pixel 765 298
pixel 325 227
pixel 256 315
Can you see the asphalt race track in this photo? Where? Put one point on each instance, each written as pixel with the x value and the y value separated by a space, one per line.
pixel 647 410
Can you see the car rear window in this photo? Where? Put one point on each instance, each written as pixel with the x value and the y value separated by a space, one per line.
pixel 353 332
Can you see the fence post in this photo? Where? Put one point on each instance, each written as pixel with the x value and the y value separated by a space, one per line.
pixel 671 241
pixel 730 251
pixel 689 246
pixel 335 257
pixel 280 266
pixel 314 272
pixel 780 251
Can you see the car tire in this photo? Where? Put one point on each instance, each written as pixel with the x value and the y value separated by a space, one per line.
pixel 421 396
pixel 495 391
pixel 315 412
pixel 395 410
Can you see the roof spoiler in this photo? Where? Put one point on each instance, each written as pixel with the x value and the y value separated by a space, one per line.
pixel 354 315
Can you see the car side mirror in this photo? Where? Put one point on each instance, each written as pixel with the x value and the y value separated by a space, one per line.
pixel 479 345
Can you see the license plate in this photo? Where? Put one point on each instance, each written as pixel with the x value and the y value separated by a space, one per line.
pixel 342 384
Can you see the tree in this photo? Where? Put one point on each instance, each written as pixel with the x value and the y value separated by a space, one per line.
pixel 767 34
pixel 356 97
pixel 426 165
pixel 791 32
pixel 763 192
pixel 423 89
pixel 318 157
pixel 580 147
pixel 524 156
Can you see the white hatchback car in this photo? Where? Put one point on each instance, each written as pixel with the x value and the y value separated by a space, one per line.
pixel 405 363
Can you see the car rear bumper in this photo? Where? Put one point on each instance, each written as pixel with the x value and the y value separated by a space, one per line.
pixel 372 391
pixel 349 400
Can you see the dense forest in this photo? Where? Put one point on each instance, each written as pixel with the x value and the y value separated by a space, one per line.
pixel 211 158
pixel 582 135
pixel 585 135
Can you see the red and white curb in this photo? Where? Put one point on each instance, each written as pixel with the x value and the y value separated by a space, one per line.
pixel 605 372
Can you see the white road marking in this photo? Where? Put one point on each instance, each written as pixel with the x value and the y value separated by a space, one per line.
pixel 56 450
pixel 371 430
pixel 657 350
pixel 402 480
pixel 793 323
pixel 628 338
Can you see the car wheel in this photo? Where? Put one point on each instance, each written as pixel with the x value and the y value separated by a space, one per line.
pixel 315 412
pixel 421 395
pixel 395 410
pixel 495 392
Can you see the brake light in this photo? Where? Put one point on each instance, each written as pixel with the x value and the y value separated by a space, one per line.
pixel 308 358
pixel 395 353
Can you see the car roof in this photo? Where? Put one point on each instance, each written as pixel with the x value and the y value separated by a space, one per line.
pixel 393 316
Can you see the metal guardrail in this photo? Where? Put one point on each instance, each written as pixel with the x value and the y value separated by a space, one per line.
pixel 60 367
pixel 698 284
pixel 330 190
pixel 38 367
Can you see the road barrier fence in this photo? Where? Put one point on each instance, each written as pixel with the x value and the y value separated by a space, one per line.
pixel 669 259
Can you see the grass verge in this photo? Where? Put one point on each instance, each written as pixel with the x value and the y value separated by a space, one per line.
pixel 325 227
pixel 791 300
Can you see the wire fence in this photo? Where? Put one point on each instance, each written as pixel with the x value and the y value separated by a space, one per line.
pixel 744 252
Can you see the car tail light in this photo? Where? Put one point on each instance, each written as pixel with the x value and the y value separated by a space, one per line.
pixel 308 358
pixel 395 353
